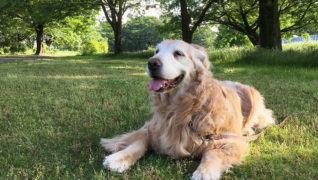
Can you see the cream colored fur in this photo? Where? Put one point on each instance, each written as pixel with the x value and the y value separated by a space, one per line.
pixel 213 107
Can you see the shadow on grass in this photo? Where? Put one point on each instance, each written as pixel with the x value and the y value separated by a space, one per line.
pixel 144 55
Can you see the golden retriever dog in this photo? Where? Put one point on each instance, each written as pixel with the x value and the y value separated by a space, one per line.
pixel 190 107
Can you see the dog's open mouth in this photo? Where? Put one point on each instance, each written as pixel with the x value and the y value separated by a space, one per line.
pixel 160 85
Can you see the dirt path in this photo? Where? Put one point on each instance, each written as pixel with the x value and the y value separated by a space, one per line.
pixel 8 58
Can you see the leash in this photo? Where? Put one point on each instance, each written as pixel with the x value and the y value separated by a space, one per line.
pixel 245 138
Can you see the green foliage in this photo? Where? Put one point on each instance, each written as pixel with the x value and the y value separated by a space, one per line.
pixel 107 33
pixel 228 37
pixel 170 7
pixel 17 47
pixel 170 27
pixel 298 17
pixel 36 14
pixel 103 47
pixel 39 12
pixel 174 27
pixel 140 33
pixel 15 35
pixel 204 36
pixel 229 13
pixel 92 47
pixel 73 31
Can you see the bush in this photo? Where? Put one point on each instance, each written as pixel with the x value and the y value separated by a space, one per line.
pixel 91 47
pixel 103 47
pixel 17 47
pixel 6 50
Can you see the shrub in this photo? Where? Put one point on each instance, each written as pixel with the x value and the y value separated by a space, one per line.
pixel 6 50
pixel 91 47
pixel 17 47
pixel 103 47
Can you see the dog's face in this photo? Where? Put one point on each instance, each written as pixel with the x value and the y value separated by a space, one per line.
pixel 172 64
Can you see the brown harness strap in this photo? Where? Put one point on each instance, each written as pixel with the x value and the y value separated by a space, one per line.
pixel 246 138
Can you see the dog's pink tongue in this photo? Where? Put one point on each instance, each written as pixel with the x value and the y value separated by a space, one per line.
pixel 156 84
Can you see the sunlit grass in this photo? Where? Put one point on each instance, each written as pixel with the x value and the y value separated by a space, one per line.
pixel 296 54
pixel 30 52
pixel 53 113
pixel 74 77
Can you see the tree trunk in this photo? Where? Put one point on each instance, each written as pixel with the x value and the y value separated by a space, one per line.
pixel 185 22
pixel 115 20
pixel 254 38
pixel 187 36
pixel 118 40
pixel 270 37
pixel 39 39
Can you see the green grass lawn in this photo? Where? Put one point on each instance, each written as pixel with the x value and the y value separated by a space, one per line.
pixel 53 113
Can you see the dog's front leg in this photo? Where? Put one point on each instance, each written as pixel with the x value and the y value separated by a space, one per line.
pixel 217 159
pixel 135 145
pixel 210 167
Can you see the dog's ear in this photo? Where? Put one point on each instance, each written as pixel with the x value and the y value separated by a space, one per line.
pixel 202 56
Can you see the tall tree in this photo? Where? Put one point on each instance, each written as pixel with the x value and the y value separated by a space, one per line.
pixel 39 13
pixel 114 11
pixel 243 16
pixel 192 15
pixel 269 25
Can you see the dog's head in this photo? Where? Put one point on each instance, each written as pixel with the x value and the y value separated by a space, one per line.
pixel 174 63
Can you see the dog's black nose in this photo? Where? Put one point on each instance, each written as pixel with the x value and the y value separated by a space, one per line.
pixel 154 64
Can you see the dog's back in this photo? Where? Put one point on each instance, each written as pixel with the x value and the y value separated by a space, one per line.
pixel 252 105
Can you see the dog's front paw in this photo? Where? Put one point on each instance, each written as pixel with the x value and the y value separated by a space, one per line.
pixel 206 174
pixel 116 162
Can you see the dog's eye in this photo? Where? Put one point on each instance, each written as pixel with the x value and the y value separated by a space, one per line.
pixel 178 53
pixel 157 51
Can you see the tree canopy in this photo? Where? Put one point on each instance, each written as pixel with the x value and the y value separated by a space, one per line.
pixel 37 14
pixel 140 33
pixel 68 24
pixel 244 16
pixel 187 14
pixel 72 32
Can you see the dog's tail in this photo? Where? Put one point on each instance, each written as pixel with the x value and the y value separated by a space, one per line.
pixel 121 142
